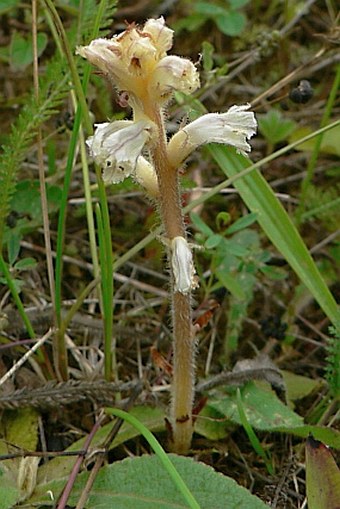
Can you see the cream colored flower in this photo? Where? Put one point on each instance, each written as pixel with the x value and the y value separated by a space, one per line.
pixel 116 147
pixel 104 54
pixel 234 128
pixel 137 63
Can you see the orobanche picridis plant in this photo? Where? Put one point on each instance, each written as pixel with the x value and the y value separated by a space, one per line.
pixel 137 63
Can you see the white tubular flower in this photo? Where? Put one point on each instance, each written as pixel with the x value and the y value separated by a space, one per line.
pixel 234 128
pixel 182 266
pixel 104 54
pixel 174 73
pixel 116 147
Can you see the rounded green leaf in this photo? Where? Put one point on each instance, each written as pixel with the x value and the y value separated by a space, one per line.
pixel 208 9
pixel 142 483
pixel 21 50
pixel 231 23
pixel 274 127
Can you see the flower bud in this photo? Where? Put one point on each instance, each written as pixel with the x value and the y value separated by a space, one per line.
pixel 160 34
pixel 234 128
pixel 174 73
pixel 146 176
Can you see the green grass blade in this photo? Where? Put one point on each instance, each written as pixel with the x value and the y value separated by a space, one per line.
pixel 106 273
pixel 277 225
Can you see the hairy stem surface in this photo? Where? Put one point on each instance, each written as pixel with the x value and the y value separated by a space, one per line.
pixel 183 337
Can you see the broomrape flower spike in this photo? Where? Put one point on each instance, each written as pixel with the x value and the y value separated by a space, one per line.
pixel 136 62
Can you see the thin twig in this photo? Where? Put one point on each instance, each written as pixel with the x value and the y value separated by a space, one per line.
pixel 232 379
pixel 44 206
pixel 54 394
pixel 75 470
pixel 27 355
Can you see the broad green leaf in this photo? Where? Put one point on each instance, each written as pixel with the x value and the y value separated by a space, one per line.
pixel 21 50
pixel 322 477
pixel 262 407
pixel 27 199
pixel 265 411
pixel 142 483
pixel 208 9
pixel 329 144
pixel 212 424
pixel 275 127
pixel 277 225
pixel 21 428
pixel 235 246
pixel 231 23
pixel 53 197
pixel 298 386
pixel 246 238
pixel 9 493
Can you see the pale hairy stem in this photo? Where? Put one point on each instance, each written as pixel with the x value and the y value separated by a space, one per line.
pixel 183 373
pixel 183 337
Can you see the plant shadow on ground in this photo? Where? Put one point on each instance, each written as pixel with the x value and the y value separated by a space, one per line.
pixel 257 323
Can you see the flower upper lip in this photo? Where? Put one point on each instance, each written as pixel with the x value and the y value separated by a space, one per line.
pixel 234 128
